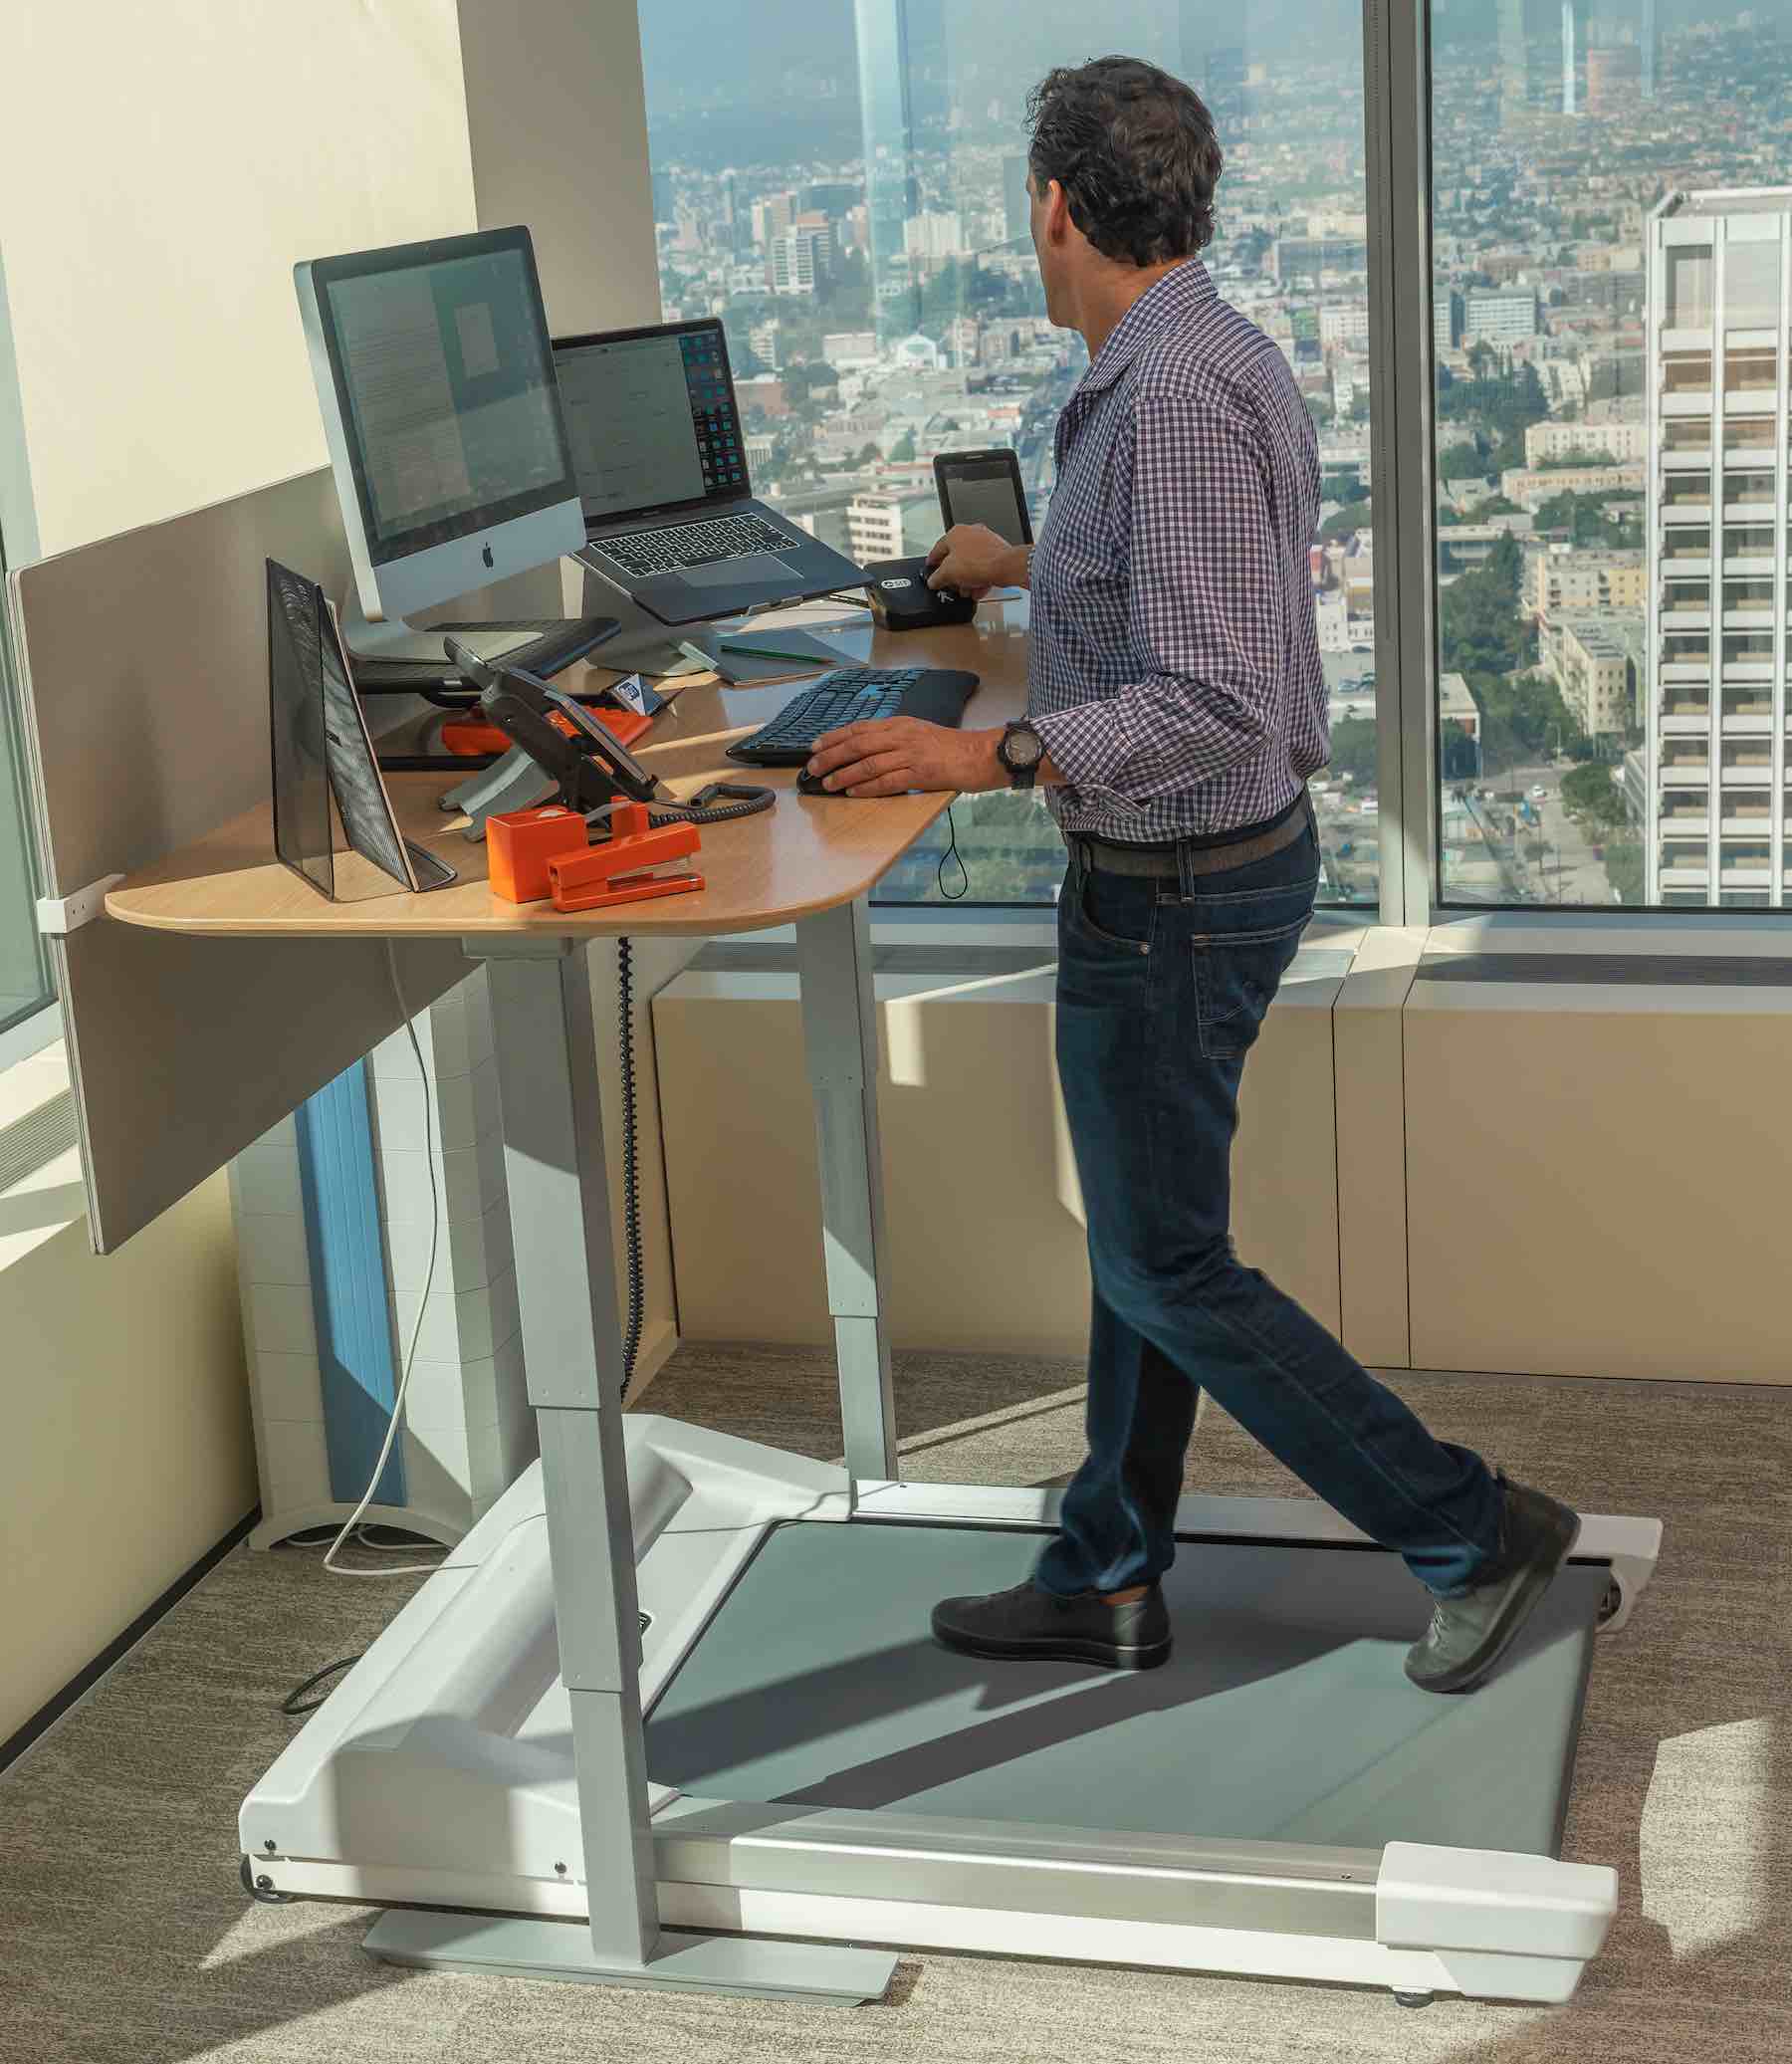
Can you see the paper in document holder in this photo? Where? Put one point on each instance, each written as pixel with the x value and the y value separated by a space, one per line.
pixel 332 817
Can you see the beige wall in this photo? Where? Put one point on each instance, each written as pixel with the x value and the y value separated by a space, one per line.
pixel 1596 1180
pixel 161 169
pixel 1500 1177
pixel 983 1217
pixel 158 179
pixel 151 361
pixel 127 1450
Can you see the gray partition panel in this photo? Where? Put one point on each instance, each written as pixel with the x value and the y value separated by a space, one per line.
pixel 145 674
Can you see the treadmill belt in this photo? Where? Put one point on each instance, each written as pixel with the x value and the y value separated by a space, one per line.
pixel 1284 1714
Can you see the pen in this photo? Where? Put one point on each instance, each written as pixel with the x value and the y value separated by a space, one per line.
pixel 768 651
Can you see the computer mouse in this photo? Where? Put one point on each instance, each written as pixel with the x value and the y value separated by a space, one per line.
pixel 812 784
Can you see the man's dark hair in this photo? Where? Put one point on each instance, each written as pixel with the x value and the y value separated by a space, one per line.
pixel 1135 152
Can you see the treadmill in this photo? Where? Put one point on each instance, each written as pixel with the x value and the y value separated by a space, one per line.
pixel 1276 1800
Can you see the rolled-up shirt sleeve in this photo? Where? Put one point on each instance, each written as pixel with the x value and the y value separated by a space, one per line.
pixel 1206 592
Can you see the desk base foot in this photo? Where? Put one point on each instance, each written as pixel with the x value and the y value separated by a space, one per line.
pixel 740 1965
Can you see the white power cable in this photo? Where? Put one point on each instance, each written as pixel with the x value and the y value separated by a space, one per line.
pixel 402 1569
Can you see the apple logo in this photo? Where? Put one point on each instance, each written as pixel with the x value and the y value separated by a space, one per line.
pixel 485 552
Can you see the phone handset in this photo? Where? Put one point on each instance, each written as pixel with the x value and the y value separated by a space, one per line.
pixel 631 777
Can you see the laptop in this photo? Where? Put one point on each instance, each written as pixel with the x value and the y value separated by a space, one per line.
pixel 661 466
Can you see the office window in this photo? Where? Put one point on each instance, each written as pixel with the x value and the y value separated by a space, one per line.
pixel 1630 443
pixel 23 971
pixel 1751 285
pixel 886 137
pixel 1689 289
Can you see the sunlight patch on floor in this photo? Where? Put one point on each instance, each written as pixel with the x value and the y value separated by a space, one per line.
pixel 1708 1834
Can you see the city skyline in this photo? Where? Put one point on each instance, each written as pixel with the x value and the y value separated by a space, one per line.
pixel 882 303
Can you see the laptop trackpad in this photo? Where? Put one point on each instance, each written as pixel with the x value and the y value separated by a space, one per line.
pixel 751 570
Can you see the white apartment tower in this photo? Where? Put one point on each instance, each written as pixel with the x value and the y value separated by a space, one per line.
pixel 1719 324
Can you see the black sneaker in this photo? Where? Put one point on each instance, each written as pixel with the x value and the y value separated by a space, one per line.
pixel 1469 1635
pixel 1029 1622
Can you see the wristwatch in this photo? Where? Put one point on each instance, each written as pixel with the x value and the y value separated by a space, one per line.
pixel 1021 749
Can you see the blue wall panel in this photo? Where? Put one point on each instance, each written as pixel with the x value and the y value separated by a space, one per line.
pixel 349 1286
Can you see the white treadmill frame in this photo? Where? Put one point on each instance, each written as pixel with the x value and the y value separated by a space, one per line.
pixel 416 1761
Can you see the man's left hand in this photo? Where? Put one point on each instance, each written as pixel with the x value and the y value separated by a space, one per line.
pixel 893 754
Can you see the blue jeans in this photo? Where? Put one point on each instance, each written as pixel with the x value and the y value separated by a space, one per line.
pixel 1162 990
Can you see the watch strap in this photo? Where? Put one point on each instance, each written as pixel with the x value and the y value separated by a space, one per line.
pixel 1020 776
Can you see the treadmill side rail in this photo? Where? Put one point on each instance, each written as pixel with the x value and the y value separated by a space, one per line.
pixel 1502 1924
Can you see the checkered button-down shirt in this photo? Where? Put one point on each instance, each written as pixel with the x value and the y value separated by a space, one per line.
pixel 1174 668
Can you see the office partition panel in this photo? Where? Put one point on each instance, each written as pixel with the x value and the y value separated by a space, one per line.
pixel 145 692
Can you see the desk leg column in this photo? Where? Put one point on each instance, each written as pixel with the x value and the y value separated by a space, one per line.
pixel 839 1032
pixel 553 1157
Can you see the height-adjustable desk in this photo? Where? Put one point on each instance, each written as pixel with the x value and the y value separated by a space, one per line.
pixel 1276 1800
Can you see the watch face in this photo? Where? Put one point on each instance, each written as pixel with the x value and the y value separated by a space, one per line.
pixel 1023 746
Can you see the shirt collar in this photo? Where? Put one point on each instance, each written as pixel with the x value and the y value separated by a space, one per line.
pixel 1163 303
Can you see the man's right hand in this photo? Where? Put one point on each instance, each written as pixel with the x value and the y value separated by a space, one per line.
pixel 972 558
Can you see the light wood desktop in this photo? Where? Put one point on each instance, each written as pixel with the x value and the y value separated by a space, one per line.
pixel 807 854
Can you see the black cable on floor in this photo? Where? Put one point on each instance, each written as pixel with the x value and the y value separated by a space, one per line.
pixel 295 1704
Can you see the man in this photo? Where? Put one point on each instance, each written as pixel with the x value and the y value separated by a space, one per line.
pixel 1176 708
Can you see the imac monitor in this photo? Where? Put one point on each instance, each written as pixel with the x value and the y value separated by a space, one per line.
pixel 444 426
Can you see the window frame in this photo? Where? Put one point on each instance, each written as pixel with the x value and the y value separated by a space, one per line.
pixel 1397 100
pixel 41 1023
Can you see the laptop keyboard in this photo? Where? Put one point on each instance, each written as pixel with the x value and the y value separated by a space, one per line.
pixel 642 553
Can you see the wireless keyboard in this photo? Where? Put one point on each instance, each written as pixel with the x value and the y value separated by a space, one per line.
pixel 856 695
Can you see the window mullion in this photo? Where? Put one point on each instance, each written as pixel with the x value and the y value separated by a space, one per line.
pixel 1397 125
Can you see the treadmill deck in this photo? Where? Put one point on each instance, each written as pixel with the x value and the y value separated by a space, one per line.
pixel 1284 1714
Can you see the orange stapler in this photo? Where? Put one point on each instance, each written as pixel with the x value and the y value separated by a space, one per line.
pixel 621 869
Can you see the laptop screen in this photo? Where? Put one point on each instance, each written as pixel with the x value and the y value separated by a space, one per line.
pixel 651 419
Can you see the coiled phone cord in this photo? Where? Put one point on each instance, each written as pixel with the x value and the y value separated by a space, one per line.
pixel 632 1190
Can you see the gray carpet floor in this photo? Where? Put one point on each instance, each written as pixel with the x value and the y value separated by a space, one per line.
pixel 124 1938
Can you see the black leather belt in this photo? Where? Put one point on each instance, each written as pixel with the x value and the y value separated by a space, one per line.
pixel 1170 862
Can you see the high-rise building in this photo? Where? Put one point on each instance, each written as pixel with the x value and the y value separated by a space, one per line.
pixel 829 196
pixel 772 215
pixel 1613 77
pixel 930 239
pixel 1222 88
pixel 1295 259
pixel 891 524
pixel 1503 317
pixel 1715 681
pixel 1542 57
pixel 797 259
pixel 903 98
pixel 1017 207
pixel 1447 320
pixel 1649 36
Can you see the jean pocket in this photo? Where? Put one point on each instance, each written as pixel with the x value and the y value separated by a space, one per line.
pixel 1237 975
pixel 1117 911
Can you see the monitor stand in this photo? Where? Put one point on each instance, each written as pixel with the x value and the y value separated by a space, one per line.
pixel 644 645
pixel 392 638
